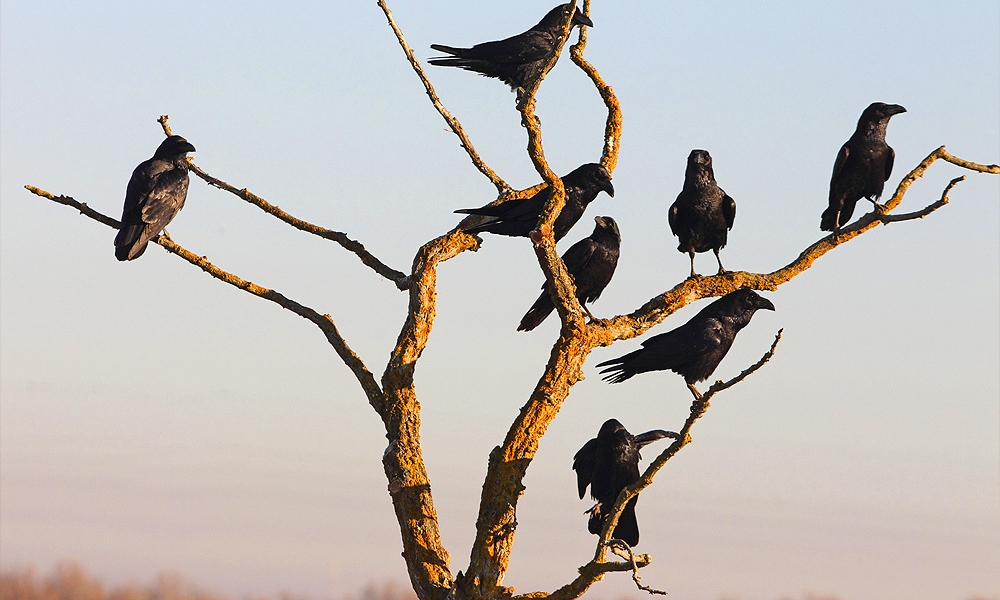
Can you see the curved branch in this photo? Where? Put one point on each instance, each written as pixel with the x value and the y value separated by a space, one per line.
pixel 613 125
pixel 660 307
pixel 324 322
pixel 456 127
pixel 341 238
pixel 427 560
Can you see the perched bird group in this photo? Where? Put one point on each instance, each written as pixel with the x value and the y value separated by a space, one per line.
pixel 701 218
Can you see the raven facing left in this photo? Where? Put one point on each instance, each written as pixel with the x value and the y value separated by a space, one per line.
pixel 517 218
pixel 591 263
pixel 695 348
pixel 155 194
pixel 703 214
pixel 608 464
pixel 518 60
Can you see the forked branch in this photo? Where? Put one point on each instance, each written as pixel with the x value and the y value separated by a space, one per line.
pixel 341 238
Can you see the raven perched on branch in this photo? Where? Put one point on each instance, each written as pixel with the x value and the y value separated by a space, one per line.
pixel 863 165
pixel 591 263
pixel 155 194
pixel 516 61
pixel 695 348
pixel 608 464
pixel 518 218
pixel 703 214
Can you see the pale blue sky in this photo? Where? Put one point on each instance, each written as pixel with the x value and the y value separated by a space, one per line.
pixel 152 417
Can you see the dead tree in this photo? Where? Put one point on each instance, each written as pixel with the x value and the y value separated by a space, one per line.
pixel 393 396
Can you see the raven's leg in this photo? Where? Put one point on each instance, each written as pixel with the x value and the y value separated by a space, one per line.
pixel 587 312
pixel 721 268
pixel 693 274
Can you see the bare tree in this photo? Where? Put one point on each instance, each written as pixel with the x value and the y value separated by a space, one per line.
pixel 393 395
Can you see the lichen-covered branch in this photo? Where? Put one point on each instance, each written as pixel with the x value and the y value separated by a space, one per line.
pixel 660 307
pixel 324 322
pixel 427 560
pixel 456 127
pixel 613 125
pixel 341 238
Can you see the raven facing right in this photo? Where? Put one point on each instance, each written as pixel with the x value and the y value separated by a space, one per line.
pixel 863 165
pixel 517 60
pixel 695 348
pixel 591 263
pixel 517 218
pixel 608 464
pixel 703 214
pixel 155 194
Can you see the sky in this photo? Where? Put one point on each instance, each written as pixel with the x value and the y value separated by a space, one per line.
pixel 154 418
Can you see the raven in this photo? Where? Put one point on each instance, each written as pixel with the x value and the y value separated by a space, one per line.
pixel 608 464
pixel 863 165
pixel 591 263
pixel 518 218
pixel 703 214
pixel 516 61
pixel 695 348
pixel 155 194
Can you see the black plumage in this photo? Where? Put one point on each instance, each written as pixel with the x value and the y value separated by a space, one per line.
pixel 591 263
pixel 862 167
pixel 518 60
pixel 703 214
pixel 608 464
pixel 155 194
pixel 695 348
pixel 518 218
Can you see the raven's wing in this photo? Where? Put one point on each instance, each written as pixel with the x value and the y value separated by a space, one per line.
pixel 728 209
pixel 166 199
pixel 627 529
pixel 511 209
pixel 675 210
pixel 889 160
pixel 578 255
pixel 838 165
pixel 522 48
pixel 583 463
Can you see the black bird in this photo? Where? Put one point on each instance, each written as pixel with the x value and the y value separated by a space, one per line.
pixel 703 214
pixel 518 218
pixel 516 61
pixel 695 348
pixel 862 167
pixel 608 464
pixel 591 263
pixel 155 195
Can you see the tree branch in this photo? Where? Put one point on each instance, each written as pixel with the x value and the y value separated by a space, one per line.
pixel 324 322
pixel 660 307
pixel 613 126
pixel 502 187
pixel 341 238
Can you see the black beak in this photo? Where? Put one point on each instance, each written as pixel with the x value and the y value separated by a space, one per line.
pixel 765 304
pixel 605 184
pixel 186 147
pixel 894 109
pixel 581 19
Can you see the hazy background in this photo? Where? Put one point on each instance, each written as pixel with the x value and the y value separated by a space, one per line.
pixel 153 417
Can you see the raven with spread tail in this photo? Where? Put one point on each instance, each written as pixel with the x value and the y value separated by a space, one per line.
pixel 608 464
pixel 862 167
pixel 518 218
pixel 155 194
pixel 591 263
pixel 516 61
pixel 703 214
pixel 695 348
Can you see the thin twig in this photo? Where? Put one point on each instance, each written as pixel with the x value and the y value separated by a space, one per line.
pixel 335 236
pixel 623 550
pixel 324 322
pixel 503 188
